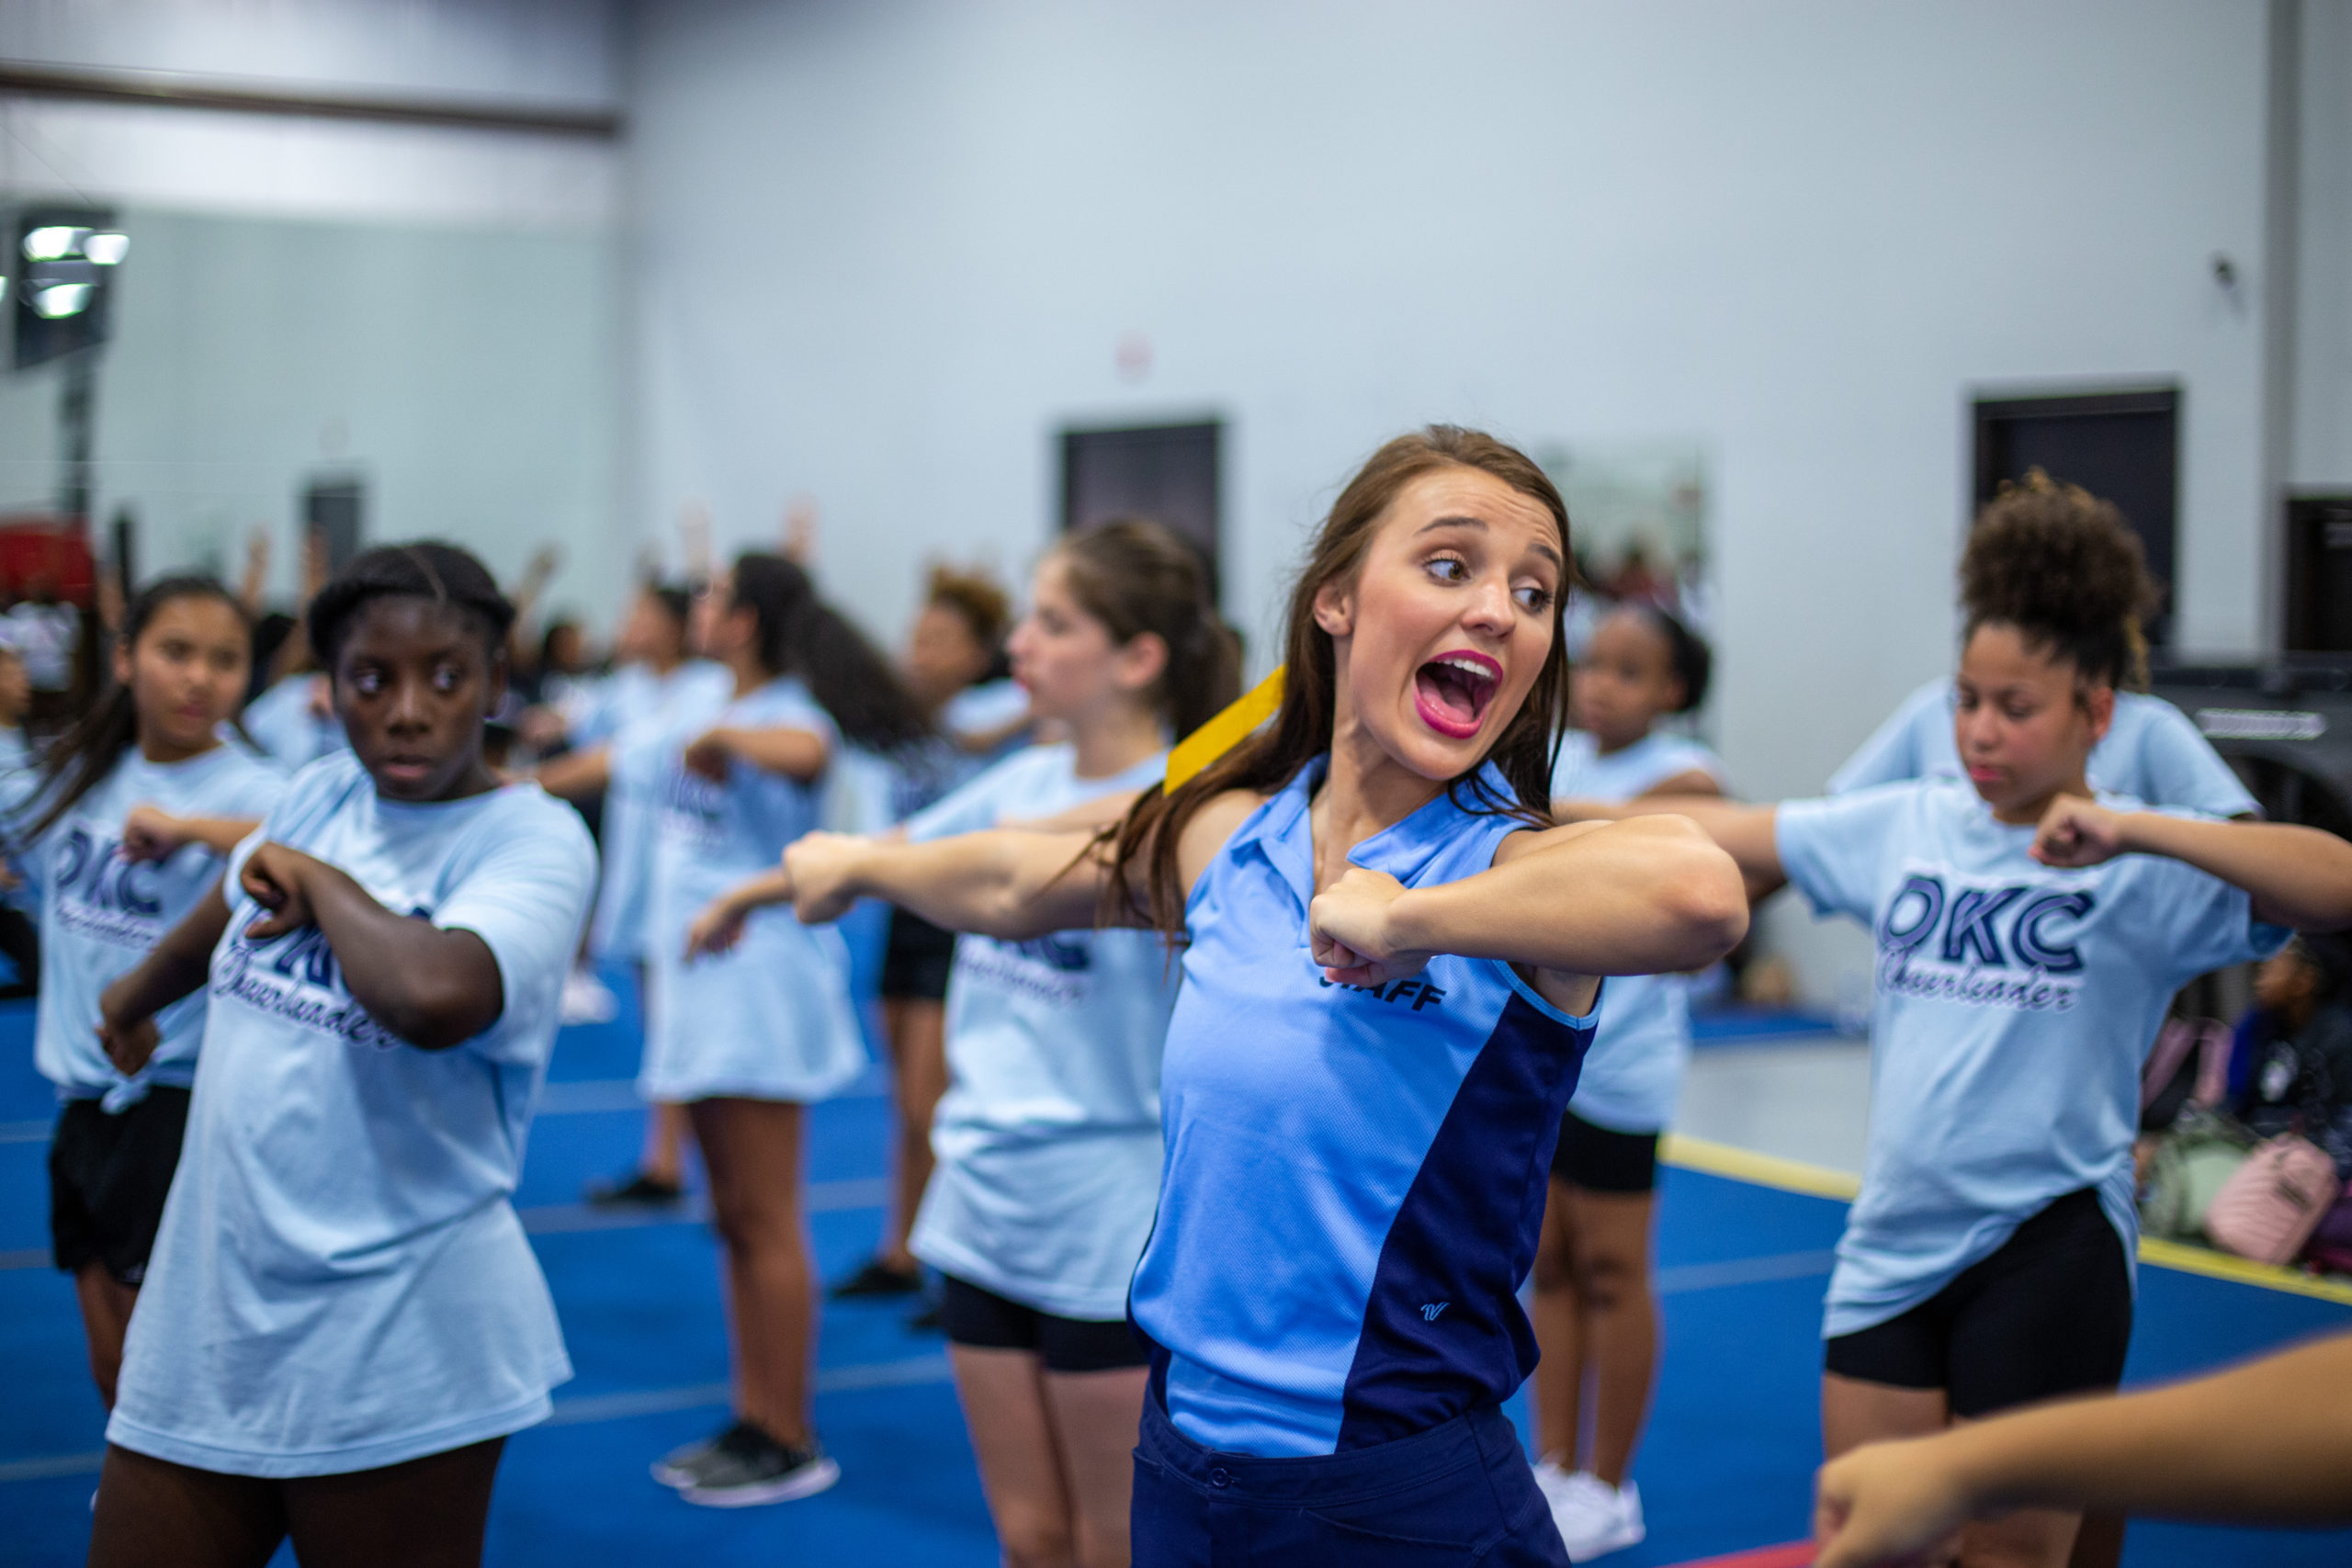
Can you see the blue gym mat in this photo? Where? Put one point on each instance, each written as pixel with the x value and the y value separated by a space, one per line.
pixel 1726 1468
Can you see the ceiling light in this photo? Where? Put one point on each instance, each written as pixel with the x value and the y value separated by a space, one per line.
pixel 61 300
pixel 107 249
pixel 54 242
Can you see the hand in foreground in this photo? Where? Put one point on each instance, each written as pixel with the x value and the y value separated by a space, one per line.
pixel 707 754
pixel 716 930
pixel 1890 1506
pixel 272 877
pixel 1347 926
pixel 821 866
pixel 2077 832
pixel 126 1040
pixel 148 833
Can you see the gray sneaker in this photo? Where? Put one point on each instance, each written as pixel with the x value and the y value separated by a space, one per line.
pixel 751 1468
pixel 682 1467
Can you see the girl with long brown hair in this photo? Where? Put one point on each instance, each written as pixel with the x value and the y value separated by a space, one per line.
pixel 1390 963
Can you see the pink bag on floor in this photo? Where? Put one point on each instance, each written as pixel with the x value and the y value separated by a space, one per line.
pixel 2271 1205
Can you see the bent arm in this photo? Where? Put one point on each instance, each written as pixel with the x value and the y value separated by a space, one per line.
pixel 2298 876
pixel 577 776
pixel 1747 833
pixel 2270 1441
pixel 1647 895
pixel 222 835
pixel 796 753
pixel 1004 883
pixel 433 988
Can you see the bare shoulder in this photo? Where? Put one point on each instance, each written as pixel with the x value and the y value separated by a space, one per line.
pixel 1211 826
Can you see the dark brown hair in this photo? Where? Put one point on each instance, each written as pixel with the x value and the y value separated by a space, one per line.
pixel 801 635
pixel 1136 576
pixel 2066 570
pixel 974 598
pixel 1301 730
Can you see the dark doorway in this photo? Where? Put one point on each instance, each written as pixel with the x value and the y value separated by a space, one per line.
pixel 1166 472
pixel 2319 575
pixel 337 510
pixel 2121 446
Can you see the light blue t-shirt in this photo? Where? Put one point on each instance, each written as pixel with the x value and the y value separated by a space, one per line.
pixel 1355 1176
pixel 1641 1050
pixel 340 1281
pixel 771 1020
pixel 1048 1136
pixel 101 913
pixel 2151 751
pixel 2015 1005
pixel 637 710
pixel 284 722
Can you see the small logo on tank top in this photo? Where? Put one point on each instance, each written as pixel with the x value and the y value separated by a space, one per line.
pixel 1429 1310
pixel 1422 993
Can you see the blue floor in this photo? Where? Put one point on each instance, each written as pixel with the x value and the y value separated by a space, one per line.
pixel 1727 1466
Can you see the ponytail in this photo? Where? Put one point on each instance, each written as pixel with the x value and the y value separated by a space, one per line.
pixel 1135 576
pixel 801 635
pixel 93 743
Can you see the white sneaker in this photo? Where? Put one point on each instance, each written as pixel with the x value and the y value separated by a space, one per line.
pixel 1594 1517
pixel 587 1000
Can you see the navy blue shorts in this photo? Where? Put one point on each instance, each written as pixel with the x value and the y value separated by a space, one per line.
pixel 1459 1494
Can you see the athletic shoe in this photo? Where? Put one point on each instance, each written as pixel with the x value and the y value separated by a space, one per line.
pixel 1594 1517
pixel 639 1191
pixel 587 1000
pixel 878 1278
pixel 751 1468
pixel 682 1467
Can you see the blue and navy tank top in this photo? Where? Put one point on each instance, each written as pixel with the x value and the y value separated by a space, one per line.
pixel 1355 1176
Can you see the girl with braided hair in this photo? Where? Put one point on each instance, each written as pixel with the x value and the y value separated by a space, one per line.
pixel 343 1321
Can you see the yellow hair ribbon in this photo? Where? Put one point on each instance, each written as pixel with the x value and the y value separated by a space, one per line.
pixel 1226 731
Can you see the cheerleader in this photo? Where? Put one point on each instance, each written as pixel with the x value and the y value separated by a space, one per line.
pixel 1596 1315
pixel 343 1320
pixel 126 828
pixel 1048 1138
pixel 2030 931
pixel 1388 982
pixel 744 1040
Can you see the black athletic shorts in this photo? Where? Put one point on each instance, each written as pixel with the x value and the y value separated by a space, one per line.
pixel 2049 1313
pixel 1600 1160
pixel 916 957
pixel 986 1321
pixel 107 1179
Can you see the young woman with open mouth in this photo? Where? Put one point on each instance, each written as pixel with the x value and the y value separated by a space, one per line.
pixel 1390 968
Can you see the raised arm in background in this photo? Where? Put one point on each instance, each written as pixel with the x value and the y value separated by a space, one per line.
pixel 435 988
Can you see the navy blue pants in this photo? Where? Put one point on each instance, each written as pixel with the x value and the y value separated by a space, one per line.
pixel 1459 1494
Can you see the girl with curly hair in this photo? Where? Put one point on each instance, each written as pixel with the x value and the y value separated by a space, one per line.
pixel 2030 931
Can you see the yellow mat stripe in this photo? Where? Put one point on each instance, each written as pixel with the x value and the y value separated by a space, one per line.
pixel 1820 1181
pixel 1226 731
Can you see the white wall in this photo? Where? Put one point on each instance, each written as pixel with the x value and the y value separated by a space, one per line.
pixel 882 251
pixel 465 375
pixel 433 308
pixel 2320 455
pixel 539 53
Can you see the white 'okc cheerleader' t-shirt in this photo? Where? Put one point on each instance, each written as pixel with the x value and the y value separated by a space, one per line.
pixel 101 913
pixel 340 1281
pixel 1048 1136
pixel 2015 1005
pixel 772 1018
pixel 1641 1050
